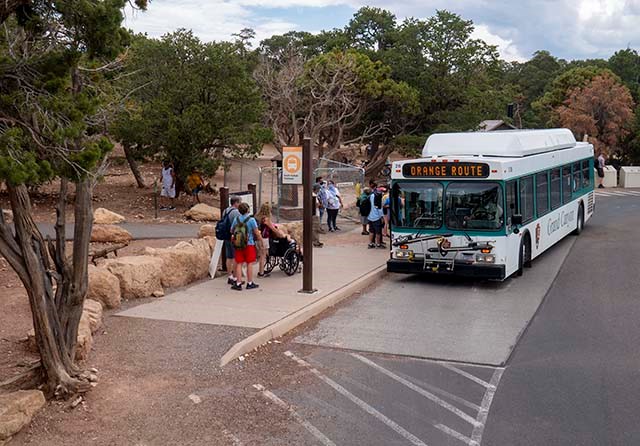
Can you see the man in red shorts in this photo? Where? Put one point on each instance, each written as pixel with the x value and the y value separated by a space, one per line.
pixel 244 235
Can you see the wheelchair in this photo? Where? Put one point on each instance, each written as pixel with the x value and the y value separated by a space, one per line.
pixel 283 253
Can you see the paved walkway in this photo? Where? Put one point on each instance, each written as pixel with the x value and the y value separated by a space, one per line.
pixel 139 231
pixel 213 302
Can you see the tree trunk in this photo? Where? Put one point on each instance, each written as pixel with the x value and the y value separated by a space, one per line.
pixel 133 164
pixel 45 283
pixel 378 161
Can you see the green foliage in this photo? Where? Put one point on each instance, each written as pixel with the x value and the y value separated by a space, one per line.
pixel 626 64
pixel 192 102
pixel 558 90
pixel 53 95
pixel 409 146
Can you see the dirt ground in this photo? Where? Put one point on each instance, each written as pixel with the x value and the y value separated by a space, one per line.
pixel 144 390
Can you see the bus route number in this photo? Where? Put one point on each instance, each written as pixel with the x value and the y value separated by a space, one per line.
pixel 446 170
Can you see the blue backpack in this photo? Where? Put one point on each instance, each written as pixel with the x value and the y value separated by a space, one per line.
pixel 223 227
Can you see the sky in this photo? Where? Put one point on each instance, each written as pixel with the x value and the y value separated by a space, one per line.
pixel 570 29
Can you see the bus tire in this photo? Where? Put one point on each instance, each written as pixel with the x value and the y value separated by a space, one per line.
pixel 580 221
pixel 524 258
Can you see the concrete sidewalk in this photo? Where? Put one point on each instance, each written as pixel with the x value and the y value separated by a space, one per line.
pixel 213 302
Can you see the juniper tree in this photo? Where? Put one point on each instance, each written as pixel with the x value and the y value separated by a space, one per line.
pixel 56 58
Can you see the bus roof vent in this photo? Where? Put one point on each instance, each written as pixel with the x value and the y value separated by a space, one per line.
pixel 507 143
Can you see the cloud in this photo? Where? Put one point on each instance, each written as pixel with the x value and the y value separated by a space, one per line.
pixel 571 29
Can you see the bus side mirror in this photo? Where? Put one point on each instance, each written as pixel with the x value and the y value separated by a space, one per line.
pixel 516 219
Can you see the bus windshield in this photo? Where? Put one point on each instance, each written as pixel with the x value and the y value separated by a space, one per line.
pixel 462 206
pixel 474 205
pixel 417 205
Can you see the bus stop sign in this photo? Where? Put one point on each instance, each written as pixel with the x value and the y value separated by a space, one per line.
pixel 292 165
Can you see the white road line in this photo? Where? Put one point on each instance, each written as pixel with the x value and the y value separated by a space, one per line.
pixel 603 194
pixel 358 402
pixel 476 435
pixel 455 434
pixel 441 392
pixel 466 374
pixel 322 438
pixel 420 390
pixel 627 193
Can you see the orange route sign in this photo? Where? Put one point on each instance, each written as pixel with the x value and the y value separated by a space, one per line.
pixel 292 165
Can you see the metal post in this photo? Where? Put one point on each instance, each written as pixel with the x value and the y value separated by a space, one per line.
pixel 224 204
pixel 251 187
pixel 307 212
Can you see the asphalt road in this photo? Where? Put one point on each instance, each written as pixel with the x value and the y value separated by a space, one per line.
pixel 572 379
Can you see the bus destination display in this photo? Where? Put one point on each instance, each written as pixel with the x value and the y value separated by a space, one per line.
pixel 445 170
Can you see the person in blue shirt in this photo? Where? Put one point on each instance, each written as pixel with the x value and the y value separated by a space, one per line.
pixel 376 220
pixel 248 253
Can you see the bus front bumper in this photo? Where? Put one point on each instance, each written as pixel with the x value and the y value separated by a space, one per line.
pixel 495 272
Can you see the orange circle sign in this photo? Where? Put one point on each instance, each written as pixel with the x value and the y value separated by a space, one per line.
pixel 291 164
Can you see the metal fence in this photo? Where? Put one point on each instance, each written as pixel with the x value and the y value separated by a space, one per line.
pixel 347 178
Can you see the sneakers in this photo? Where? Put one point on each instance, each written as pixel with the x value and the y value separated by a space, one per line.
pixel 331 230
pixel 365 233
pixel 318 244
pixel 231 281
pixel 381 245
pixel 371 245
pixel 264 274
pixel 252 286
pixel 600 186
pixel 337 229
pixel 236 286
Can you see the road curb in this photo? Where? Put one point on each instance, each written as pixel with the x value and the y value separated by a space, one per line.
pixel 288 323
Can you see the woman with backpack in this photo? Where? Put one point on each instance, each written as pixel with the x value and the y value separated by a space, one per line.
pixel 364 204
pixel 245 235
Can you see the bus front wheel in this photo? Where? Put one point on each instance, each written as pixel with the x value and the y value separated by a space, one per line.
pixel 524 258
pixel 580 222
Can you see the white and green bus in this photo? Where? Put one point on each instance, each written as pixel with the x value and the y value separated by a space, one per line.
pixel 485 204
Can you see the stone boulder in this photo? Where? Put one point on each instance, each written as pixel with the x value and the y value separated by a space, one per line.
pixel 207 230
pixel 90 322
pixel 93 311
pixel 110 234
pixel 17 410
pixel 85 338
pixel 104 287
pixel 139 276
pixel 183 263
pixel 8 215
pixel 203 212
pixel 102 216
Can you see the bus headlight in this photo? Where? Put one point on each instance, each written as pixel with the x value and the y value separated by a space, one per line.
pixel 404 254
pixel 485 258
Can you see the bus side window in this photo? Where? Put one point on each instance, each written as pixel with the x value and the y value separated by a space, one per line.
pixel 555 188
pixel 566 184
pixel 542 193
pixel 577 177
pixel 586 180
pixel 526 199
pixel 512 200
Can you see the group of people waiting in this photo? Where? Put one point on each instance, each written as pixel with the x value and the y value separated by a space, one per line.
pixel 373 204
pixel 246 241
